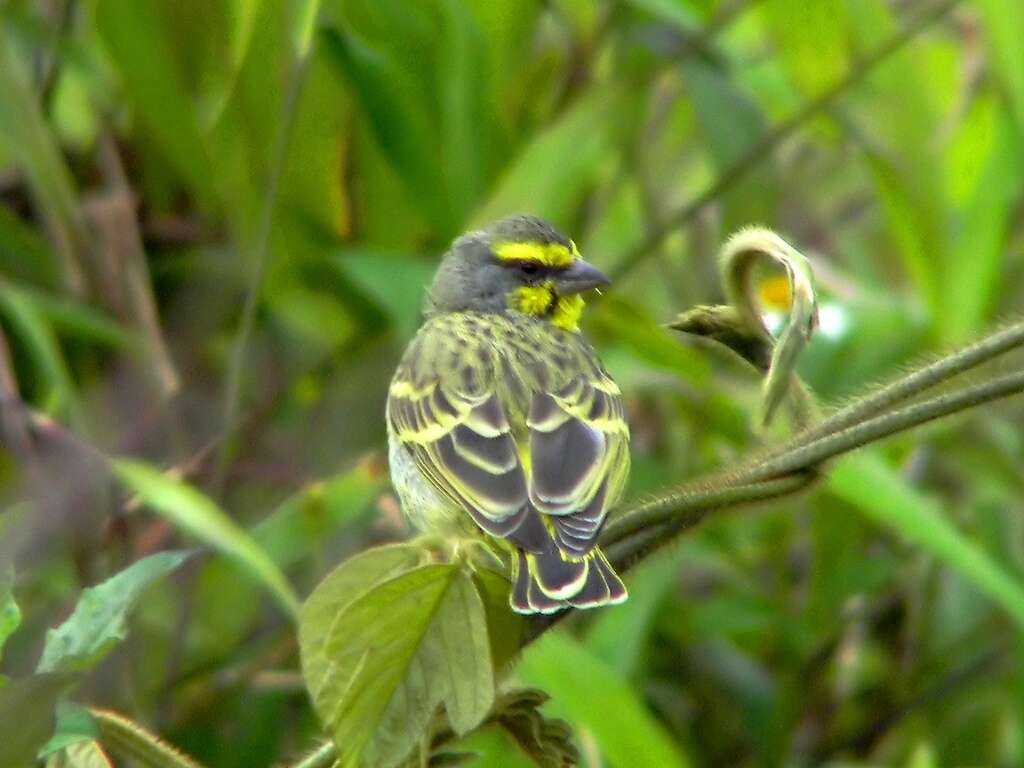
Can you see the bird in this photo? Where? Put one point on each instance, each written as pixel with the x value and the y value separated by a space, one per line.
pixel 503 425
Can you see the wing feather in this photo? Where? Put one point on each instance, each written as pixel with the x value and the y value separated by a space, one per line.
pixel 569 467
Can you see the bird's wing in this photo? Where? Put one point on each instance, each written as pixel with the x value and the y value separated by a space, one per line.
pixel 579 457
pixel 462 443
pixel 576 455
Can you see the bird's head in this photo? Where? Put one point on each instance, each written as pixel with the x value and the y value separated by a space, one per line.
pixel 519 264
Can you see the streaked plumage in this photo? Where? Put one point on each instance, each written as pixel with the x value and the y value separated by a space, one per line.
pixel 502 421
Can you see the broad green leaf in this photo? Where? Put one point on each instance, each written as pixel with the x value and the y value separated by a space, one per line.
pixel 10 616
pixel 465 115
pixel 676 12
pixel 303 521
pixel 75 724
pixel 915 216
pixel 867 483
pixel 136 39
pixel 24 254
pixel 77 319
pixel 495 748
pixel 897 111
pixel 504 627
pixel 923 756
pixel 810 38
pixel 29 322
pixel 402 126
pixel 973 278
pixel 1003 21
pixel 378 664
pixel 730 124
pixel 25 135
pixel 197 514
pixel 648 340
pixel 589 692
pixel 99 620
pixel 27 717
pixel 346 584
pixel 552 173
pixel 618 637
pixel 81 754
pixel 394 282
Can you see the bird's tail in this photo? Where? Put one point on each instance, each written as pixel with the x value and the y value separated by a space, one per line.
pixel 550 580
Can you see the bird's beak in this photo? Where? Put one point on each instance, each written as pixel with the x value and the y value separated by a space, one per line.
pixel 579 277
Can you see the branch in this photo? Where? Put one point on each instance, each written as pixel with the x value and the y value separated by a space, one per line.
pixel 770 140
pixel 635 532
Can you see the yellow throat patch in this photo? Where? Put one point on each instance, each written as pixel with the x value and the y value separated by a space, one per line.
pixel 540 300
pixel 537 300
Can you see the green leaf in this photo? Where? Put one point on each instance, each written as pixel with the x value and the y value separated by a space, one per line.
pixel 504 627
pixel 731 124
pixel 10 616
pixel 136 39
pixel 619 637
pixel 197 514
pixel 30 324
pixel 1003 21
pixel 98 622
pixel 676 12
pixel 871 486
pixel 27 138
pixel 27 717
pixel 632 326
pixel 379 657
pixel 973 280
pixel 591 693
pixel 79 320
pixel 75 725
pixel 810 38
pixel 24 255
pixel 395 283
pixel 81 754
pixel 465 114
pixel 552 173
pixel 400 122
pixel 305 520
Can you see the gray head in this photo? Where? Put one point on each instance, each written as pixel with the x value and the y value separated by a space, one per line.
pixel 520 264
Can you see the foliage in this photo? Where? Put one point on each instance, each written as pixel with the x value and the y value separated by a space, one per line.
pixel 216 219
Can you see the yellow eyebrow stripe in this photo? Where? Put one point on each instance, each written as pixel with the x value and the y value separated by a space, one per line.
pixel 547 254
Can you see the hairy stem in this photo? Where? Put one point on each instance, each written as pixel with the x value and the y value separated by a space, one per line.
pixel 806 455
pixel 667 522
pixel 691 503
pixel 925 378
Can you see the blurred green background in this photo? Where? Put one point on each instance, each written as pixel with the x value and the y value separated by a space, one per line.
pixel 216 221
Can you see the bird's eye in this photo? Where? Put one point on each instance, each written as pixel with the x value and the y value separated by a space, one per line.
pixel 529 268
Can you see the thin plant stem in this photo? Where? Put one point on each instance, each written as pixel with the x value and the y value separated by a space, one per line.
pixel 305 15
pixel 770 140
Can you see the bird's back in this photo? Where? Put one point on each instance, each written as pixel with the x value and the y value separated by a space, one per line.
pixel 477 353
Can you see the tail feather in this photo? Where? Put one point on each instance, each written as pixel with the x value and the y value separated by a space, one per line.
pixel 549 581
